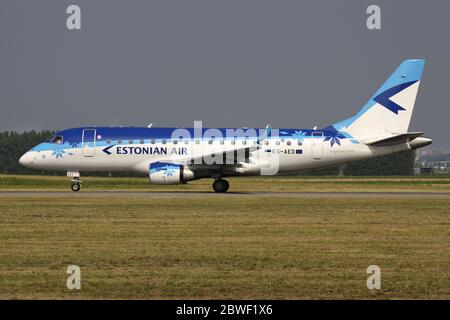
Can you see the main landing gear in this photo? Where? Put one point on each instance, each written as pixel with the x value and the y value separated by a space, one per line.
pixel 76 182
pixel 220 185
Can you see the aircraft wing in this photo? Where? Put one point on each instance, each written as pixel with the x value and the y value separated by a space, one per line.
pixel 230 156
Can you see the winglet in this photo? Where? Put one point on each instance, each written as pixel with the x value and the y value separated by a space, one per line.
pixel 265 134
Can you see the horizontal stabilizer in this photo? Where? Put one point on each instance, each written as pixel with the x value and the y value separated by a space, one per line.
pixel 394 139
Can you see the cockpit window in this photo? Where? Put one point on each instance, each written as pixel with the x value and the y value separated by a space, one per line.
pixel 56 139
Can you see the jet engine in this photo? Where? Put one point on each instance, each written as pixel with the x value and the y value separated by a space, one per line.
pixel 169 173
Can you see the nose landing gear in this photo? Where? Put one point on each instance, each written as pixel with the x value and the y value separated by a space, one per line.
pixel 220 185
pixel 76 182
pixel 76 186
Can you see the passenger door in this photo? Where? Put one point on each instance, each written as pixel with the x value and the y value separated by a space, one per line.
pixel 88 142
pixel 317 145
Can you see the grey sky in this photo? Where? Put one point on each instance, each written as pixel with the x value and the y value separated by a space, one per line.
pixel 228 63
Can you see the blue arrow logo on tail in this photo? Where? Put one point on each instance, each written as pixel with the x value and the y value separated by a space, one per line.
pixel 106 150
pixel 384 98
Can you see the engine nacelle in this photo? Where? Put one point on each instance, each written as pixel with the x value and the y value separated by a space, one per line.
pixel 169 173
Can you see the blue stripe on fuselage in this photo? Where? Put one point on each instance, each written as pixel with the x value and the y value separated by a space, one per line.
pixel 107 136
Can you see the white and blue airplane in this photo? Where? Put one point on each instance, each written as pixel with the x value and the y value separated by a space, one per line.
pixel 179 155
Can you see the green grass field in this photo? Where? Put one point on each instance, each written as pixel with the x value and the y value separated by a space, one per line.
pixel 225 247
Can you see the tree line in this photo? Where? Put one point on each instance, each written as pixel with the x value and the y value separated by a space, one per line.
pixel 13 145
pixel 397 164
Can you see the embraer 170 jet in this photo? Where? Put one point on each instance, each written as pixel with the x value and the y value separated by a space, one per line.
pixel 179 155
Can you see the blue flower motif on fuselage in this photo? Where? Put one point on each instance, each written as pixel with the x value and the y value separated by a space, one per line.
pixel 61 153
pixel 335 138
pixel 299 135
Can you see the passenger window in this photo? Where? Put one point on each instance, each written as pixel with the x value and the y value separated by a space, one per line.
pixel 141 141
pixel 186 141
pixel 244 142
pixel 130 141
pixel 277 142
pixel 233 141
pixel 266 142
pixel 210 142
pixel 222 142
pixel 175 141
pixel 152 141
pixel 164 141
pixel 197 141
pixel 108 141
pixel 288 142
pixel 119 141
pixel 299 143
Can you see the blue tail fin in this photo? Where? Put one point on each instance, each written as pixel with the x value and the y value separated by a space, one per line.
pixel 389 110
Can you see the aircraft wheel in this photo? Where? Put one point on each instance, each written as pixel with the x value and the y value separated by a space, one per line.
pixel 76 187
pixel 221 185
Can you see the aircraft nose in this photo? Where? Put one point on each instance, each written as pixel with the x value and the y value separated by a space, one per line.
pixel 26 159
